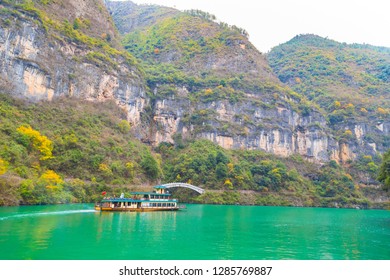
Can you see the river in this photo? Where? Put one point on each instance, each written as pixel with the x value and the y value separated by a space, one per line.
pixel 201 232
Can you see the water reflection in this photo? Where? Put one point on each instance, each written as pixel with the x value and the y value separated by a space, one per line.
pixel 32 229
pixel 200 232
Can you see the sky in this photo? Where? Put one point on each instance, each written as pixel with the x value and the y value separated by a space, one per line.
pixel 273 22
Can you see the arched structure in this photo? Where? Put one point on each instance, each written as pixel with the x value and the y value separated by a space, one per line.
pixel 183 185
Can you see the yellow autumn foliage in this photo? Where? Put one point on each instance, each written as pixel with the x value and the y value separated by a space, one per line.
pixel 367 157
pixel 348 132
pixel 105 169
pixel 208 91
pixel 228 184
pixel 39 142
pixel 124 126
pixel 51 178
pixel 3 166
pixel 230 167
pixel 348 176
pixel 130 166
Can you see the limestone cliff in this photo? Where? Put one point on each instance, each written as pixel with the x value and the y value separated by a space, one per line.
pixel 45 58
pixel 200 79
pixel 350 82
pixel 279 130
pixel 208 81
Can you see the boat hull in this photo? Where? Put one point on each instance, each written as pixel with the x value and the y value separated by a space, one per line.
pixel 118 209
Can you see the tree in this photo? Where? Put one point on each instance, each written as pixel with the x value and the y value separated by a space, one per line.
pixel 51 179
pixel 384 171
pixel 39 142
pixel 3 166
pixel 221 157
pixel 150 166
pixel 77 23
pixel 211 162
pixel 221 170
pixel 124 126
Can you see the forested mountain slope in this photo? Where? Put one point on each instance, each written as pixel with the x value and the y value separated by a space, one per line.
pixel 78 99
pixel 206 80
pixel 350 82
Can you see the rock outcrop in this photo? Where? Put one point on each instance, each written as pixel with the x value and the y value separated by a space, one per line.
pixel 278 130
pixel 42 59
pixel 41 63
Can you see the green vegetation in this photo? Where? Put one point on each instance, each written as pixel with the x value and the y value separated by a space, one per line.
pixel 177 50
pixel 174 50
pixel 191 38
pixel 71 150
pixel 350 82
pixel 212 61
pixel 255 177
pixel 101 50
pixel 68 151
pixel 384 171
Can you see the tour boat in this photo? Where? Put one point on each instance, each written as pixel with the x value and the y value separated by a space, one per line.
pixel 159 200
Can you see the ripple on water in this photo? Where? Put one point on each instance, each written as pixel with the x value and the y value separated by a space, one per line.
pixel 37 214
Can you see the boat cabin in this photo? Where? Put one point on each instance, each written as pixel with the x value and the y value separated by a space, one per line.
pixel 159 200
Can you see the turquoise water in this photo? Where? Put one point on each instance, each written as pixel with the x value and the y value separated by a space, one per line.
pixel 77 232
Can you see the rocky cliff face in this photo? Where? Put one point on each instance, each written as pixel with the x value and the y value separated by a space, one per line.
pixel 350 83
pixel 264 115
pixel 249 108
pixel 130 16
pixel 279 130
pixel 39 63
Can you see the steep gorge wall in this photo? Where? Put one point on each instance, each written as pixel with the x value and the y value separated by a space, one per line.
pixel 278 130
pixel 38 65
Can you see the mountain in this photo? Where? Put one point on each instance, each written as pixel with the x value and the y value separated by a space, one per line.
pixel 68 150
pixel 80 95
pixel 129 16
pixel 54 49
pixel 324 70
pixel 351 83
pixel 206 80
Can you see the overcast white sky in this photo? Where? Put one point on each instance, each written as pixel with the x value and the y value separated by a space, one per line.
pixel 272 22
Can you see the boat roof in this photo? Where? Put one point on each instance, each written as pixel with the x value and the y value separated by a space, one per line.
pixel 135 200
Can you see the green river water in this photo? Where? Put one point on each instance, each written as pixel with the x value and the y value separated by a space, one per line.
pixel 77 232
